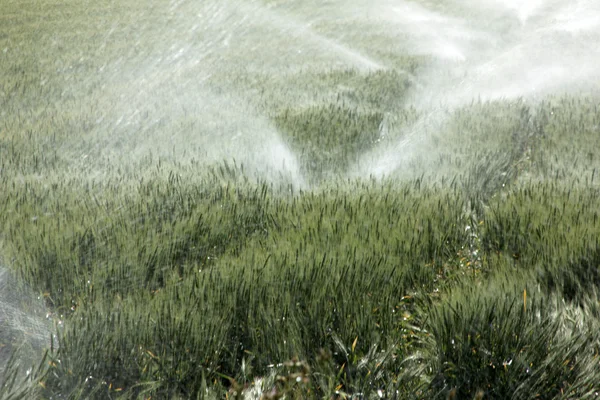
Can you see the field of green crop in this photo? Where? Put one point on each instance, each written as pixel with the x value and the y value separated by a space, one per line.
pixel 187 189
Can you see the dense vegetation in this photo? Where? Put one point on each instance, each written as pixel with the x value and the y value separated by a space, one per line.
pixel 168 270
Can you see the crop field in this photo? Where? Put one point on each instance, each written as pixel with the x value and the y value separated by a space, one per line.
pixel 269 199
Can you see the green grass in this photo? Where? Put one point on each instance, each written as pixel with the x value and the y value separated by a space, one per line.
pixel 170 271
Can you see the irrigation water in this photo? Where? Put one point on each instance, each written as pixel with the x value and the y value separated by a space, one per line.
pixel 181 78
pixel 489 51
pixel 25 324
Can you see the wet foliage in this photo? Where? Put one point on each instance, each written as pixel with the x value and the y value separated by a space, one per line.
pixel 470 271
